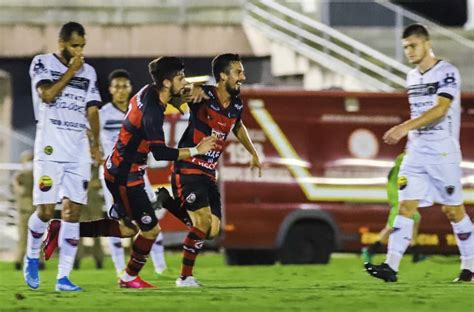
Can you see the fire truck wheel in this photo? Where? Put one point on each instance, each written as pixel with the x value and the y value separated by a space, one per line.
pixel 307 242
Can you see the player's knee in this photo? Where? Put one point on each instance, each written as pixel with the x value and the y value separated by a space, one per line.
pixel 408 209
pixel 128 231
pixel 454 213
pixel 45 213
pixel 213 233
pixel 152 233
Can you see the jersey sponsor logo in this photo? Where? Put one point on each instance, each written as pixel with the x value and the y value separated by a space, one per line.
pixel 215 107
pixel 450 189
pixel 423 89
pixel 48 150
pixel 39 68
pixel 238 106
pixel 68 106
pixel 45 183
pixel 218 134
pixel 191 198
pixel 208 165
pixel 402 182
pixel 67 124
pixel 80 83
pixel 146 219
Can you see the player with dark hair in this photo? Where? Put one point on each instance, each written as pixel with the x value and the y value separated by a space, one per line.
pixel 141 133
pixel 65 103
pixel 430 171
pixel 111 117
pixel 194 178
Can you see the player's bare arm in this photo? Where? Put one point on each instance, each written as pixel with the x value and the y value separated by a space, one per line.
pixel 205 145
pixel 93 117
pixel 243 136
pixel 395 134
pixel 48 92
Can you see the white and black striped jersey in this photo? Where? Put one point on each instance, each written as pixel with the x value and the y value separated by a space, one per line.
pixel 61 126
pixel 437 142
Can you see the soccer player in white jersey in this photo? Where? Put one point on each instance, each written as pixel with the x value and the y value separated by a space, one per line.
pixel 111 117
pixel 66 101
pixel 430 172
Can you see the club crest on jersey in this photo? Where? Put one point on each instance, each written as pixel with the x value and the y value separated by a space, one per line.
pixel 450 189
pixel 191 198
pixel 45 183
pixel 48 150
pixel 402 182
pixel 39 68
pixel 146 219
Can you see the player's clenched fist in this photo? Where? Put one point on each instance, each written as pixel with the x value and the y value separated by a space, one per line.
pixel 208 143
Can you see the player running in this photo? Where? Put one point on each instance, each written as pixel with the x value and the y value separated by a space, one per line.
pixel 111 116
pixel 141 133
pixel 194 178
pixel 430 171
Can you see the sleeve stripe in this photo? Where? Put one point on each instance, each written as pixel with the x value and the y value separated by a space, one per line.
pixel 446 95
pixel 93 103
pixel 42 82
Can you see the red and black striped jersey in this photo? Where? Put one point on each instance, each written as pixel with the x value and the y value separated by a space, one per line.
pixel 208 117
pixel 141 132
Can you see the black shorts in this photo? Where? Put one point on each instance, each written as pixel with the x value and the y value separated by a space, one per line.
pixel 134 201
pixel 196 191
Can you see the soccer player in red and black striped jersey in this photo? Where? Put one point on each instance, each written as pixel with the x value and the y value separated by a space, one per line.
pixel 141 133
pixel 194 178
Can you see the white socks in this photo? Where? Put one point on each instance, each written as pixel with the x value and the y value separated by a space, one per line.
pixel 117 253
pixel 157 254
pixel 67 243
pixel 464 233
pixel 399 241
pixel 36 229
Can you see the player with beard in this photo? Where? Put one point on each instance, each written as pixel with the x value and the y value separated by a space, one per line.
pixel 65 103
pixel 141 133
pixel 194 178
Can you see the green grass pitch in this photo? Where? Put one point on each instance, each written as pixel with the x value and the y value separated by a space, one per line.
pixel 340 286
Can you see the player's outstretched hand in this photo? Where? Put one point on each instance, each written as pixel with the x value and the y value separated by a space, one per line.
pixel 194 94
pixel 256 164
pixel 395 134
pixel 207 144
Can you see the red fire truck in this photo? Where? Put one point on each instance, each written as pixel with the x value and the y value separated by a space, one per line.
pixel 323 184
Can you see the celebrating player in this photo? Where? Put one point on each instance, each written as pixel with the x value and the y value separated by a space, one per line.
pixel 431 169
pixel 111 116
pixel 141 133
pixel 194 178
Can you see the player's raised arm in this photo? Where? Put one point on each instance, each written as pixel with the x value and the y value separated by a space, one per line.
pixel 243 136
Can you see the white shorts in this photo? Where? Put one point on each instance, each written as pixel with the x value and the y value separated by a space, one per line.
pixel 56 180
pixel 429 183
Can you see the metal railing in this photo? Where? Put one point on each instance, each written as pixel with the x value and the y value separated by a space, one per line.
pixel 324 45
